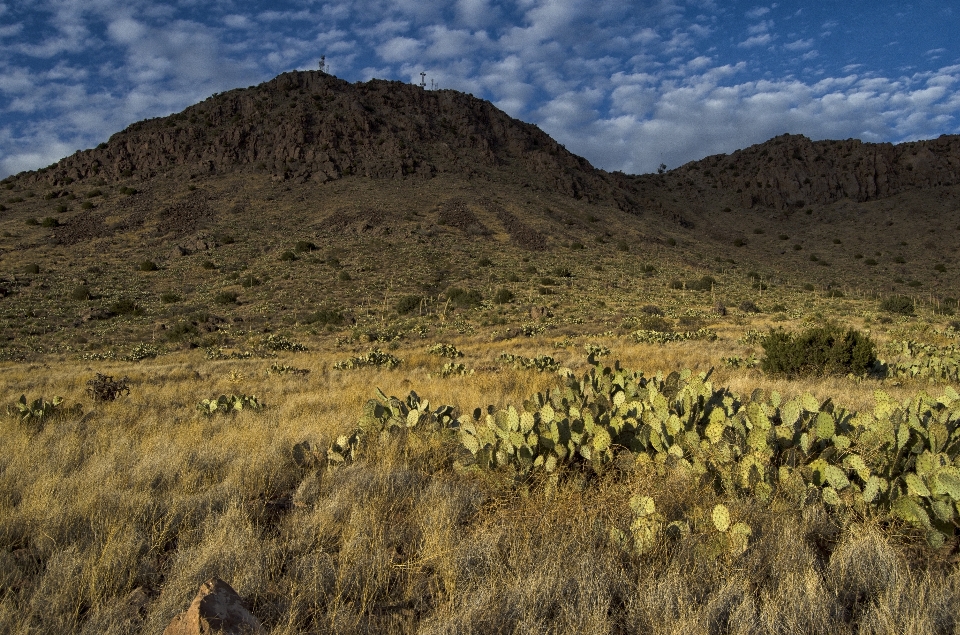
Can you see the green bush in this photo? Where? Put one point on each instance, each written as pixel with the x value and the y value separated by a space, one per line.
pixel 33 222
pixel 324 317
pixel 304 246
pixel 819 351
pixel 897 304
pixel 169 297
pixel 81 292
pixel 226 297
pixel 32 268
pixel 343 276
pixel 50 221
pixel 464 299
pixel 125 306
pixel 503 296
pixel 288 256
pixel 147 265
pixel 407 304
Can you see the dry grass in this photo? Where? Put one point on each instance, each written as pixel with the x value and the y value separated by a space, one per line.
pixel 143 493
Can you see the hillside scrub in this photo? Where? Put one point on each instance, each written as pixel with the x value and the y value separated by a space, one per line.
pixel 826 350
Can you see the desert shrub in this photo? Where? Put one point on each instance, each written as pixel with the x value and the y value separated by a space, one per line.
pixel 226 297
pixel 503 296
pixel 651 309
pixel 623 246
pixel 288 256
pixel 324 317
pixel 60 209
pixel 548 281
pixel 484 262
pixel 576 245
pixel 249 281
pixel 464 299
pixel 824 350
pixel 870 262
pixel 33 222
pixel 182 330
pixel 126 306
pixel 32 268
pixel 747 306
pixel 49 221
pixel 147 265
pixel 169 297
pixel 940 267
pixel 208 264
pixel 672 242
pixel 408 303
pixel 513 278
pixel 344 277
pixel 897 304
pixel 562 272
pixel 676 284
pixel 80 292
pixel 106 388
pixel 304 246
pixel 93 193
pixel 86 205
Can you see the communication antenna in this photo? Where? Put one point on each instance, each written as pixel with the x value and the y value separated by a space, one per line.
pixel 423 80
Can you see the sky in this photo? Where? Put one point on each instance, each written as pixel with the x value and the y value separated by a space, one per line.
pixel 628 85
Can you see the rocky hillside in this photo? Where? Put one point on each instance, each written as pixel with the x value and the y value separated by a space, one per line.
pixel 793 171
pixel 313 127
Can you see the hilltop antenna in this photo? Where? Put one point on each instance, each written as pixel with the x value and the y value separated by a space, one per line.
pixel 323 63
pixel 423 80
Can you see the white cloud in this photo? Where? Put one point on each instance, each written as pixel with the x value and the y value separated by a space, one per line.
pixel 757 12
pixel 756 40
pixel 400 49
pixel 798 45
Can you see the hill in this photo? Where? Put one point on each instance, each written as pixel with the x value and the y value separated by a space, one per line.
pixel 296 198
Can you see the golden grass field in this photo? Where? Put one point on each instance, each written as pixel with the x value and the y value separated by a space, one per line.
pixel 110 520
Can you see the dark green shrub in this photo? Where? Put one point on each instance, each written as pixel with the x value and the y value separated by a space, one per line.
pixel 484 262
pixel 126 306
pixel 86 205
pixel 61 208
pixel 304 246
pixel 248 281
pixel 462 298
pixel 93 193
pixel 562 272
pixel 503 296
pixel 513 278
pixel 940 267
pixel 50 221
pixel 576 245
pixel 548 281
pixel 408 303
pixel 748 306
pixel 169 297
pixel 106 388
pixel 288 256
pixel 344 277
pixel 797 247
pixel 32 268
pixel 81 292
pixel 897 304
pixel 147 265
pixel 739 242
pixel 623 246
pixel 208 264
pixel 825 350
pixel 899 260
pixel 651 309
pixel 33 222
pixel 324 317
pixel 870 261
pixel 672 242
pixel 182 330
pixel 226 297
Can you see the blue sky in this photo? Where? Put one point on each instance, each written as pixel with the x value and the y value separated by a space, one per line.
pixel 627 85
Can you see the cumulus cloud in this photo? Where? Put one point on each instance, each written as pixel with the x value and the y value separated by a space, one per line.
pixel 627 85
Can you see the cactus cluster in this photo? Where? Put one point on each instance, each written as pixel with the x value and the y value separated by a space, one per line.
pixel 40 410
pixel 644 336
pixel 741 362
pixel 596 350
pixel 229 404
pixel 274 342
pixel 909 359
pixel 903 458
pixel 284 369
pixel 452 369
pixel 376 358
pixel 106 388
pixel 540 362
pixel 445 350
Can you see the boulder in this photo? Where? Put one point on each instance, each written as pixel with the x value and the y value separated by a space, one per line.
pixel 216 609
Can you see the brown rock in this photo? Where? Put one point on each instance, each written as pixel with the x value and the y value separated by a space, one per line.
pixel 216 609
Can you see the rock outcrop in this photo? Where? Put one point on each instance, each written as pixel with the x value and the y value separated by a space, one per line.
pixel 216 609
